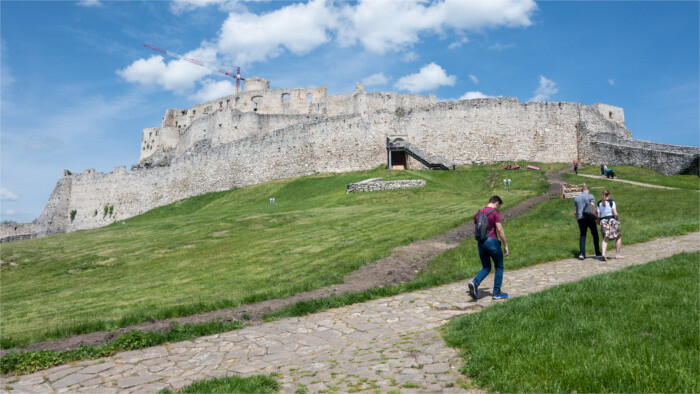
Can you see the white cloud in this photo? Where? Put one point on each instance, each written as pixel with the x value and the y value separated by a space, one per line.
pixel 458 44
pixel 214 89
pixel 381 26
pixel 176 75
pixel 9 212
pixel 376 79
pixel 473 95
pixel 7 195
pixel 474 79
pixel 611 82
pixel 546 89
pixel 410 57
pixel 299 28
pixel 430 77
pixel 90 3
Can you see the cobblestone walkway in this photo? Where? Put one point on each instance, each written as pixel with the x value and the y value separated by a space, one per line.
pixel 626 181
pixel 384 344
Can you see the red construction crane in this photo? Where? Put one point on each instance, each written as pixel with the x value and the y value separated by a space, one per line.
pixel 236 76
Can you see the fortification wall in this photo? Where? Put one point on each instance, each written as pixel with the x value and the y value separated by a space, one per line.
pixel 470 131
pixel 666 159
pixel 17 231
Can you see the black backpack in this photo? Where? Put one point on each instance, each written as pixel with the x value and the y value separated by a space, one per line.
pixel 481 229
pixel 589 211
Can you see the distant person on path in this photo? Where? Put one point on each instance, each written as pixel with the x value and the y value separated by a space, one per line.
pixel 585 213
pixel 609 224
pixel 490 249
pixel 610 173
pixel 454 165
pixel 575 167
pixel 602 170
pixel 605 170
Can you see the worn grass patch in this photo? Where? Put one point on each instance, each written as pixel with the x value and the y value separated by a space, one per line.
pixel 634 330
pixel 225 249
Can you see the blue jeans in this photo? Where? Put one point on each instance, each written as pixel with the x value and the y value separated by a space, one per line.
pixel 490 250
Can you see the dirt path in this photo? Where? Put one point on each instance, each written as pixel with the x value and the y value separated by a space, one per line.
pixel 399 267
pixel 630 182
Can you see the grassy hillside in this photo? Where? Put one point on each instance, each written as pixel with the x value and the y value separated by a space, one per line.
pixel 634 330
pixel 224 249
pixel 644 175
pixel 549 231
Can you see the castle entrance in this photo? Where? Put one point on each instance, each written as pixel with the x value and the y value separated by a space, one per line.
pixel 398 160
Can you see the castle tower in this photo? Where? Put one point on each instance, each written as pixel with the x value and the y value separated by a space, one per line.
pixel 256 83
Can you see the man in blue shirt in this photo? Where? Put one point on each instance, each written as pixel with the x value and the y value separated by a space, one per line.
pixel 584 223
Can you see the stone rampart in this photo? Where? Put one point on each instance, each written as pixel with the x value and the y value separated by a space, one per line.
pixel 223 144
pixel 17 231
pixel 666 159
pixel 377 184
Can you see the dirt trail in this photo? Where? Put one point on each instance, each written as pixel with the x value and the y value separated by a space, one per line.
pixel 399 267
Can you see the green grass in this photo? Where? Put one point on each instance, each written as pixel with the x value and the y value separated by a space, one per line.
pixel 644 175
pixel 634 330
pixel 230 248
pixel 256 384
pixel 26 362
pixel 548 232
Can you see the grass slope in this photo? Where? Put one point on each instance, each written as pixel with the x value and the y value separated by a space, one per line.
pixel 644 175
pixel 635 330
pixel 223 249
pixel 548 232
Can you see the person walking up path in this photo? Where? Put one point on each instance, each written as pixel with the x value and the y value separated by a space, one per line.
pixel 609 224
pixel 631 182
pixel 378 345
pixel 489 247
pixel 585 213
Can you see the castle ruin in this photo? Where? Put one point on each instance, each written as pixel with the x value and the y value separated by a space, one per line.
pixel 262 134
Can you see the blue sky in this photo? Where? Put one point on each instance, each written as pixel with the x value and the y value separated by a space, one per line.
pixel 78 86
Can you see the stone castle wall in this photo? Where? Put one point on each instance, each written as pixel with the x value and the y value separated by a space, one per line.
pixel 17 231
pixel 232 146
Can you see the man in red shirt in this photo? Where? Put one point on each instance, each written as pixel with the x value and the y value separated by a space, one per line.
pixel 490 249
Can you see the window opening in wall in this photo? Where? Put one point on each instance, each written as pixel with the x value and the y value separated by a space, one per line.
pixel 184 112
pixel 309 97
pixel 610 114
pixel 221 104
pixel 285 98
pixel 236 103
pixel 228 103
pixel 194 111
pixel 219 125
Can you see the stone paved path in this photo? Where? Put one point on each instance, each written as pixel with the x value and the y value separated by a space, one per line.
pixel 630 182
pixel 384 344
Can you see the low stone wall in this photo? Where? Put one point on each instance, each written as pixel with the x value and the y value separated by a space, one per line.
pixel 17 231
pixel 663 158
pixel 375 184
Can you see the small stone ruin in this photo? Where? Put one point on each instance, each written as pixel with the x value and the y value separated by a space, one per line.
pixel 374 184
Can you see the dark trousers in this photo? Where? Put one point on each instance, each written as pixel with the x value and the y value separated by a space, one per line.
pixel 583 226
